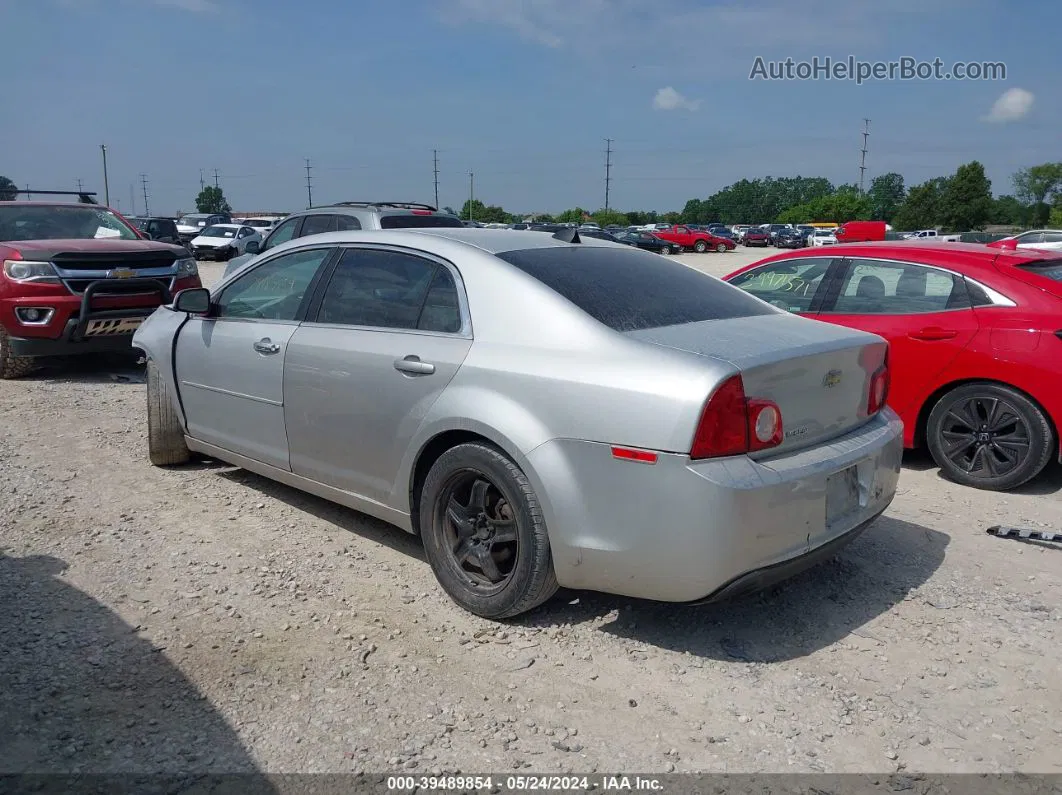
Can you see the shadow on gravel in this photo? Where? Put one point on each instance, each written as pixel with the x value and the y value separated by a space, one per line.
pixel 83 694
pixel 1046 483
pixel 342 517
pixel 809 612
pixel 101 368
pixel 918 460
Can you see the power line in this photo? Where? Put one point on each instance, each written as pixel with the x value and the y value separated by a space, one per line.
pixel 608 169
pixel 309 189
pixel 863 156
pixel 435 162
pixel 144 184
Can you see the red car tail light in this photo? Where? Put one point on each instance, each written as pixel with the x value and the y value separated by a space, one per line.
pixel 879 388
pixel 731 424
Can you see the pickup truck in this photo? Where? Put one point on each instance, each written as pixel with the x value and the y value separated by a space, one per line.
pixel 695 239
pixel 78 278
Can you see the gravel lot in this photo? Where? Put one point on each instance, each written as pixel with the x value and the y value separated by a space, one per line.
pixel 206 619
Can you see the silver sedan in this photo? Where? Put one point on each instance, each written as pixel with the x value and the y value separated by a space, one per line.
pixel 542 410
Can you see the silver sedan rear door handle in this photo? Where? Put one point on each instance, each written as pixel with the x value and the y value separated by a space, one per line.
pixel 414 366
pixel 267 345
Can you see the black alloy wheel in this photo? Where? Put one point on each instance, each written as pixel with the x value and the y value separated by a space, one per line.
pixel 479 530
pixel 989 436
pixel 484 534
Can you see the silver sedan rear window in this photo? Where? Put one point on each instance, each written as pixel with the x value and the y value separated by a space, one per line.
pixel 629 290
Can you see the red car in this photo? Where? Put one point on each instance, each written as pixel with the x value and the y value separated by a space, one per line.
pixel 78 278
pixel 975 339
pixel 695 239
pixel 756 237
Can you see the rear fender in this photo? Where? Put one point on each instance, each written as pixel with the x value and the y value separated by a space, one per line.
pixel 483 412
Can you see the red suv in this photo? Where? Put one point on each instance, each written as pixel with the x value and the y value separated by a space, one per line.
pixel 78 278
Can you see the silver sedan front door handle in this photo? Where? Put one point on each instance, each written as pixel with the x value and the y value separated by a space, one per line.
pixel 267 345
pixel 414 366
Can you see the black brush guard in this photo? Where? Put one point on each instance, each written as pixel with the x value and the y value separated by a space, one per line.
pixel 107 287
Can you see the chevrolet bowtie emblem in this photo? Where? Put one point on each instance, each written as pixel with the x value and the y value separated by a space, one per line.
pixel 121 273
pixel 832 379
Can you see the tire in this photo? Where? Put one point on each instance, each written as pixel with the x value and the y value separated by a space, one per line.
pixel 720 247
pixel 666 251
pixel 12 366
pixel 166 445
pixel 524 565
pixel 700 246
pixel 974 430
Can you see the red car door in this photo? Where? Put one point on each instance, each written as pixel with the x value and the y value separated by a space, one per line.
pixel 923 312
pixel 682 236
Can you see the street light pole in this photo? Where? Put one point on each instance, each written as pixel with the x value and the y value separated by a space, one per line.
pixel 106 185
pixel 471 193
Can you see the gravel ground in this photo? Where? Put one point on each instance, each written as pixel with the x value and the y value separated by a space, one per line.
pixel 206 619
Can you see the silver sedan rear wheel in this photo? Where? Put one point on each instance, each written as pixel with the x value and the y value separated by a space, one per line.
pixel 484 533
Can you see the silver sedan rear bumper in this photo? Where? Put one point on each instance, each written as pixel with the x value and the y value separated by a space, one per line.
pixel 683 531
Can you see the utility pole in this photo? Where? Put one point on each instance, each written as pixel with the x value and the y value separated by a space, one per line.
pixel 132 197
pixel 863 157
pixel 471 192
pixel 202 182
pixel 309 183
pixel 216 185
pixel 106 184
pixel 29 196
pixel 435 162
pixel 143 183
pixel 79 188
pixel 608 169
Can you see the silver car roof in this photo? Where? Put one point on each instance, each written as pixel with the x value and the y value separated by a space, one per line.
pixel 491 241
pixel 497 241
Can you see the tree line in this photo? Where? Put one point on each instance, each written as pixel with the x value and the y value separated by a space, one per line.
pixel 960 202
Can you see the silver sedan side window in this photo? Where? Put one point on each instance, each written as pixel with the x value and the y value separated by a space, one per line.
pixel 274 290
pixel 391 289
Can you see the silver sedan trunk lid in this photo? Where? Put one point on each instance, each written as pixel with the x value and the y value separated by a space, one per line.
pixel 818 374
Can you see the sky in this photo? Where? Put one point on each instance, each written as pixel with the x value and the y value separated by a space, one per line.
pixel 522 93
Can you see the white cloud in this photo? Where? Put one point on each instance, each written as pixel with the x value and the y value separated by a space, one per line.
pixel 620 28
pixel 1011 105
pixel 534 20
pixel 669 99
